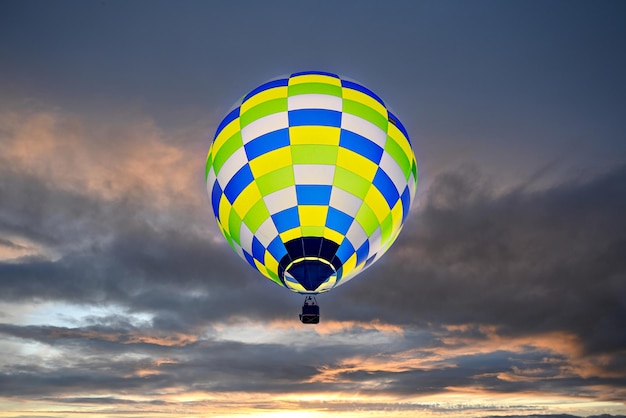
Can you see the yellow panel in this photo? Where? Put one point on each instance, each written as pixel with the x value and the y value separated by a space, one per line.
pixel 311 215
pixel 224 210
pixel 349 265
pixel 333 235
pixel 356 163
pixel 270 161
pixel 376 201
pixel 361 97
pixel 396 215
pixel 228 131
pixel 248 197
pixel 261 268
pixel 270 262
pixel 314 78
pixel 290 234
pixel 265 95
pixel 296 287
pixel 401 140
pixel 318 135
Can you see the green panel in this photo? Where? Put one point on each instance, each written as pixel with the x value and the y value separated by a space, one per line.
pixel 275 277
pixel 312 231
pixel 264 109
pixel 365 112
pixel 234 226
pixel 397 153
pixel 229 147
pixel 314 154
pixel 207 167
pixel 386 229
pixel 276 180
pixel 256 216
pixel 414 169
pixel 350 182
pixel 367 218
pixel 314 88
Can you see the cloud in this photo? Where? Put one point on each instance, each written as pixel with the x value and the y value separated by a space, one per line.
pixel 526 262
pixel 486 294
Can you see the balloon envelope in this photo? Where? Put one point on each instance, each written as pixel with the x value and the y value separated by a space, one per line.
pixel 310 178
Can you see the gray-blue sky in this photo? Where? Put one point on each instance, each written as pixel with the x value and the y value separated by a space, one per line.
pixel 506 286
pixel 534 77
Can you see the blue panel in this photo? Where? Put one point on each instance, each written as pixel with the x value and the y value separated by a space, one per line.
pixel 295 249
pixel 258 250
pixel 344 251
pixel 311 273
pixel 249 259
pixel 354 86
pixel 394 120
pixel 216 195
pixel 337 264
pixel 234 114
pixel 266 143
pixel 406 201
pixel 277 248
pixel 314 73
pixel 370 260
pixel 267 86
pixel 361 253
pixel 240 180
pixel 361 146
pixel 311 246
pixel 313 194
pixel 314 117
pixel 328 250
pixel 286 219
pixel 384 184
pixel 338 220
pixel 339 274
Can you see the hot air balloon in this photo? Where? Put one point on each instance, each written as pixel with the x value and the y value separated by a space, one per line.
pixel 311 178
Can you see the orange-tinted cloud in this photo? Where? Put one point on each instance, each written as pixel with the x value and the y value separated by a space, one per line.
pixel 110 160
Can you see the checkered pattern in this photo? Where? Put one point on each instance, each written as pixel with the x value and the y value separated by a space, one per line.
pixel 311 167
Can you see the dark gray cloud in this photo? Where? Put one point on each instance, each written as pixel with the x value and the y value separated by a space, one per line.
pixel 526 261
pixel 135 261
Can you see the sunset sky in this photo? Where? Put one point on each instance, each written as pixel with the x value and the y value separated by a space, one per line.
pixel 505 294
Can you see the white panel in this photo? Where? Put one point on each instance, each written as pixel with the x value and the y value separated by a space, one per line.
pixel 231 166
pixel 315 101
pixel 344 201
pixel 267 232
pixel 245 236
pixel 265 125
pixel 374 242
pixel 282 199
pixel 314 174
pixel 238 250
pixel 364 128
pixel 356 235
pixel 393 170
pixel 210 180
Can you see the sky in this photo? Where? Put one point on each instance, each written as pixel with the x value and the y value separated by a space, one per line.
pixel 505 294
